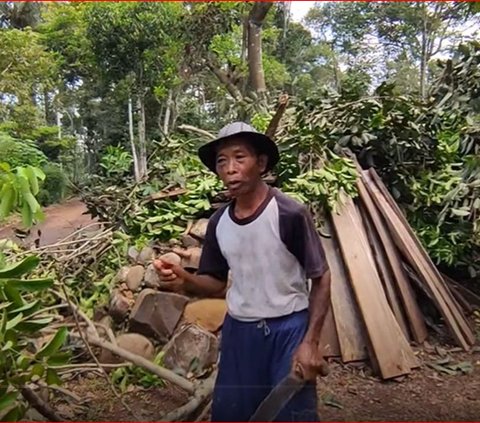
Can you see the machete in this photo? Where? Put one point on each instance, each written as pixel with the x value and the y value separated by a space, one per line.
pixel 278 397
pixel 282 393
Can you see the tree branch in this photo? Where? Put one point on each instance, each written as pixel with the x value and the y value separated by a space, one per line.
pixel 273 125
pixel 199 131
pixel 38 404
pixel 142 362
pixel 202 393
pixel 225 80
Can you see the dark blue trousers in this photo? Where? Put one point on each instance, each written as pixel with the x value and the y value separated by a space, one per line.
pixel 254 357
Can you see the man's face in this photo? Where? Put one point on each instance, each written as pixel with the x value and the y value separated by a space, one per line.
pixel 239 166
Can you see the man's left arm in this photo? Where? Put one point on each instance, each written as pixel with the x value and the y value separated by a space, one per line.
pixel 308 359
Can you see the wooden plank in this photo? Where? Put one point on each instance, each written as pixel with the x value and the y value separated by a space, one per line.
pixel 410 247
pixel 385 274
pixel 437 278
pixel 351 334
pixel 405 291
pixel 390 348
pixel 329 337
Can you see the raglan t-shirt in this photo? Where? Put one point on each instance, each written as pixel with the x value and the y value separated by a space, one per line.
pixel 270 254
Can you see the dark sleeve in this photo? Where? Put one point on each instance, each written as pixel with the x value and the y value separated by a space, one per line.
pixel 212 262
pixel 299 234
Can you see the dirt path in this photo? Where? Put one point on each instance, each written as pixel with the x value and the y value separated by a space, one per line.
pixel 60 221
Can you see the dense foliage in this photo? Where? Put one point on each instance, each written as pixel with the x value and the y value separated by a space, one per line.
pixel 107 105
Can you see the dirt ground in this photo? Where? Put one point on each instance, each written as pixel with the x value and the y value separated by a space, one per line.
pixel 60 221
pixel 348 393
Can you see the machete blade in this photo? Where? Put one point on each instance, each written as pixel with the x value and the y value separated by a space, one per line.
pixel 278 397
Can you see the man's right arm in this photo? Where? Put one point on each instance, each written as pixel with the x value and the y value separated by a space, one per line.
pixel 211 278
pixel 175 277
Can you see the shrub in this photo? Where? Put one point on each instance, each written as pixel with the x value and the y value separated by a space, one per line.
pixel 54 188
pixel 17 152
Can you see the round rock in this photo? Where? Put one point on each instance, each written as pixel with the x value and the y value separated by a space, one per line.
pixel 135 277
pixel 132 342
pixel 146 255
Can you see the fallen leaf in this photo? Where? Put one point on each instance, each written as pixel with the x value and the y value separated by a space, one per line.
pixel 329 400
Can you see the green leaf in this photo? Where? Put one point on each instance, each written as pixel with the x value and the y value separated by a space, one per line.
pixel 34 325
pixel 7 203
pixel 32 178
pixel 18 269
pixel 38 173
pixel 59 359
pixel 27 218
pixel 31 285
pixel 54 345
pixel 23 362
pixel 14 415
pixel 8 400
pixel 37 370
pixel 459 212
pixel 14 322
pixel 7 346
pixel 52 377
pixel 29 307
pixel 13 295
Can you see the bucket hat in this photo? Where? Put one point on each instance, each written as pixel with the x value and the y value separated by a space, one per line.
pixel 262 143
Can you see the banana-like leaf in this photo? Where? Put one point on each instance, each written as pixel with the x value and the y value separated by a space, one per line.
pixel 27 215
pixel 18 269
pixel 7 196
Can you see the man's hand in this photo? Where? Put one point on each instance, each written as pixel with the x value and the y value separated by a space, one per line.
pixel 170 274
pixel 308 362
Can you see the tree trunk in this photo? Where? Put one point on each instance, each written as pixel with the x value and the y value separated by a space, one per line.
pixel 59 125
pixel 142 142
pixel 225 80
pixel 168 111
pixel 136 166
pixel 423 58
pixel 256 18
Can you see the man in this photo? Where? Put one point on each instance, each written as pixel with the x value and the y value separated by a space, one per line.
pixel 270 245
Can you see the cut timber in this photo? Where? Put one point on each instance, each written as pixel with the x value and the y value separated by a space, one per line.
pixel 385 274
pixel 411 248
pixel 351 335
pixel 414 315
pixel 390 348
pixel 329 337
pixel 448 297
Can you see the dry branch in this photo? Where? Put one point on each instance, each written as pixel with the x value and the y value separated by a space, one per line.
pixel 38 404
pixel 203 391
pixel 142 362
pixel 273 125
pixel 196 130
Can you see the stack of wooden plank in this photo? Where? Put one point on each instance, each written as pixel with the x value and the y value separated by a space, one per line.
pixel 381 275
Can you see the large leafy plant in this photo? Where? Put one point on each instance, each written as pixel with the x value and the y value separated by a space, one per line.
pixel 18 188
pixel 23 316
